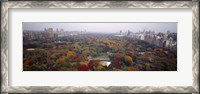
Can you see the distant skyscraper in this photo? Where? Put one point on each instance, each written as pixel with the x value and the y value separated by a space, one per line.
pixel 61 30
pixel 120 32
pixel 129 32
pixel 168 32
pixel 50 32
pixel 61 33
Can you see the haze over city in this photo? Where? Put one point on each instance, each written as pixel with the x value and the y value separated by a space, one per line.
pixel 102 27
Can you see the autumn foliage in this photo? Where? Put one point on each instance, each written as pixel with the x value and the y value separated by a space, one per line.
pixel 83 67
pixel 84 53
pixel 70 54
pixel 128 59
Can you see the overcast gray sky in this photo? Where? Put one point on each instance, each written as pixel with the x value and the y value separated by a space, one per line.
pixel 102 27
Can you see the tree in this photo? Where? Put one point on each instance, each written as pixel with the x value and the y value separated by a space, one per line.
pixel 70 54
pixel 100 68
pixel 91 65
pixel 131 68
pixel 61 59
pixel 83 67
pixel 117 64
pixel 118 57
pixel 128 60
pixel 76 58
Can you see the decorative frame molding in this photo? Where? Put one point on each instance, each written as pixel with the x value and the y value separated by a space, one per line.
pixel 5 88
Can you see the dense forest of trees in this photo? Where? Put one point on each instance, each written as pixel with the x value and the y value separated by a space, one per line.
pixel 77 53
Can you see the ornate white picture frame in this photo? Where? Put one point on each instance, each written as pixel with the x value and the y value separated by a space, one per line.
pixel 6 5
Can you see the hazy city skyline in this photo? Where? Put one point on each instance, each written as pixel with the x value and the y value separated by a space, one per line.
pixel 101 27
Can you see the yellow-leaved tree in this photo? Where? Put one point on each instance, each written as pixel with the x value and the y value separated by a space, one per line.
pixel 61 59
pixel 128 59
pixel 70 54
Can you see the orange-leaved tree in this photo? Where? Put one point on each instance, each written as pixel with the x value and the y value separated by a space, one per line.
pixel 61 59
pixel 128 59
pixel 70 54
